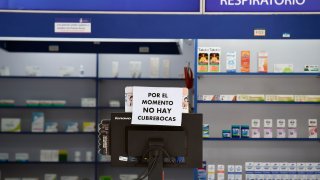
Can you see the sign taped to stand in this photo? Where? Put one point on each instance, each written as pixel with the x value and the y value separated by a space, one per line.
pixel 157 106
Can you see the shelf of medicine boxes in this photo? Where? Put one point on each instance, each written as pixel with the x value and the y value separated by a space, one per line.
pixel 257 74
pixel 142 79
pixel 261 139
pixel 253 102
pixel 47 77
pixel 43 107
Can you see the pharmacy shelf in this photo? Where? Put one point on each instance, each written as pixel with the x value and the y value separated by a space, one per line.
pixel 257 74
pixel 108 107
pixel 47 133
pixel 47 77
pixel 252 102
pixel 143 79
pixel 261 139
pixel 45 107
pixel 54 163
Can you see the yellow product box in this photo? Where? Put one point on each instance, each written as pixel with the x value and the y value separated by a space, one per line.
pixel 307 98
pixel 89 126
pixel 280 98
pixel 250 97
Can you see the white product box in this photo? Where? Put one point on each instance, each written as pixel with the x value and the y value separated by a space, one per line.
pixel 263 62
pixel 255 133
pixel 49 155
pixel 69 178
pixel 255 123
pixel 250 177
pixel 135 69
pixel 228 97
pixel 220 172
pixel 37 124
pixel 281 133
pixel 313 132
pixel 283 68
pixel 231 172
pixel 292 133
pixel 22 157
pixel 88 102
pixel 166 68
pixel 211 169
pixel 267 123
pixel 280 98
pixel 89 126
pixel 210 97
pixel 267 133
pixel 66 71
pixel 312 122
pixel 32 102
pixel 58 102
pixel 154 67
pixel 4 71
pixel 250 97
pixel 10 124
pixel 30 178
pixel 115 69
pixel 281 123
pixel 258 166
pixel 301 169
pixel 238 172
pixel 231 61
pixel 50 177
pixel 114 103
pixel 32 70
pixel 72 127
pixel 292 123
pixel 4 157
pixel 311 68
pixel 249 166
pixel 51 127
pixel 13 178
pixel 307 98
pixel 7 101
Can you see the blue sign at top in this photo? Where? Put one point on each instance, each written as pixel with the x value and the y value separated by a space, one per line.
pixel 262 6
pixel 104 5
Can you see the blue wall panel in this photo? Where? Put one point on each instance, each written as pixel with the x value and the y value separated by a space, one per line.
pixel 165 26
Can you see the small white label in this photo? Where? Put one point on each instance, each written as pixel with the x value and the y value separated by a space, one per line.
pixel 313 122
pixel 286 35
pixel 72 27
pixel 260 32
pixel 281 123
pixel 268 123
pixel 292 123
pixel 123 158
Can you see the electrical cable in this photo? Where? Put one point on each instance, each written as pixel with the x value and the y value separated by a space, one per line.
pixel 148 170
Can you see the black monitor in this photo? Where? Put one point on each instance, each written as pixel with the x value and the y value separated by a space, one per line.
pixel 156 146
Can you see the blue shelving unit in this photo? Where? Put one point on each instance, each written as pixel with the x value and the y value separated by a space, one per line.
pixel 257 74
pixel 48 163
pixel 47 133
pixel 45 107
pixel 253 102
pixel 144 79
pixel 47 77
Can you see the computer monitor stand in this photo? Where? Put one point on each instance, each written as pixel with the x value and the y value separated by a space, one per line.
pixel 155 163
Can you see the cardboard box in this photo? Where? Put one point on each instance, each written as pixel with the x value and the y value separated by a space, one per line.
pixel 37 124
pixel 89 126
pixel 10 124
pixel 231 62
pixel 245 61
pixel 263 62
pixel 283 68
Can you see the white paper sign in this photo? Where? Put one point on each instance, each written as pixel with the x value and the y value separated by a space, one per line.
pixel 72 27
pixel 157 106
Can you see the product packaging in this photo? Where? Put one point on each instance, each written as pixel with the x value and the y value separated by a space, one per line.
pixel 115 69
pixel 50 177
pixel 69 178
pixel 4 71
pixel 226 133
pixel 280 98
pixel 154 67
pixel 4 157
pixel 249 168
pixel 263 62
pixel 37 124
pixel 228 98
pixel 255 128
pixel 58 103
pixel 236 131
pixel 313 128
pixel 283 68
pixel 32 70
pixel 211 97
pixel 307 98
pixel 238 172
pixel 135 69
pixel 166 68
pixel 88 102
pixel 72 127
pixel 245 132
pixel 214 59
pixel 89 126
pixel 51 127
pixel 250 97
pixel 66 71
pixel 292 128
pixel 10 124
pixel 22 157
pixel 231 62
pixel 281 128
pixel 203 59
pixel 211 168
pixel 49 155
pixel 205 131
pixel 267 131
pixel 6 102
pixel 231 172
pixel 220 172
pixel 311 68
pixel 245 61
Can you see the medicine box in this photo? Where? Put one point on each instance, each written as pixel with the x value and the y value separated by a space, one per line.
pixel 72 127
pixel 205 131
pixel 50 177
pixel 37 124
pixel 51 127
pixel 10 124
pixel 4 157
pixel 88 126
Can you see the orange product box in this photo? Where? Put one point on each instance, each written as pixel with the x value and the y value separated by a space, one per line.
pixel 245 61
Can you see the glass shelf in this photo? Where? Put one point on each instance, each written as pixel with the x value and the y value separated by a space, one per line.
pixel 258 74
pixel 252 102
pixel 261 139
